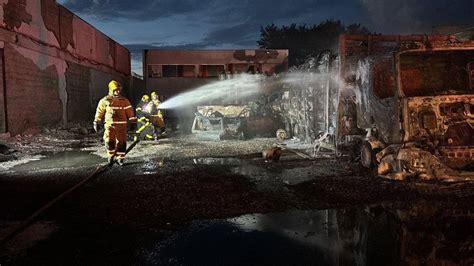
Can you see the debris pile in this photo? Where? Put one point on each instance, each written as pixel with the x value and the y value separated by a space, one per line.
pixel 6 152
pixel 52 139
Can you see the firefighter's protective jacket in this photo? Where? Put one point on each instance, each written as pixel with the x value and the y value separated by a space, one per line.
pixel 156 115
pixel 155 109
pixel 143 109
pixel 114 111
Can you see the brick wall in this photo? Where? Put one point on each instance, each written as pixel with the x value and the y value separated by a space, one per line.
pixel 56 65
pixel 78 79
pixel 32 94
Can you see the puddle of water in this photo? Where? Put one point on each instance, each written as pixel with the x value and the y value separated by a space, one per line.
pixel 218 161
pixel 288 176
pixel 152 166
pixel 61 160
pixel 7 166
pixel 355 236
pixel 300 175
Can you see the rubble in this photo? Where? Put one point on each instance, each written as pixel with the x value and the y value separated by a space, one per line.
pixel 28 146
pixel 5 149
pixel 272 154
pixel 6 152
pixel 4 158
pixel 400 163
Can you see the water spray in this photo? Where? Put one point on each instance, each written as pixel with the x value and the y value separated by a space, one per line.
pixel 241 86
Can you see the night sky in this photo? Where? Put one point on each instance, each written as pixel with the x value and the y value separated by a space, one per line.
pixel 226 24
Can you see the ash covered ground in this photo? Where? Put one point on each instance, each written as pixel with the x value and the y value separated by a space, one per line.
pixel 183 201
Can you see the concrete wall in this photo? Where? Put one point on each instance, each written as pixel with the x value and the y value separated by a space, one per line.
pixel 137 89
pixel 56 65
pixel 211 57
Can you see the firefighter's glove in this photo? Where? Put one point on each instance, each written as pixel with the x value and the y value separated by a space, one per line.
pixel 96 126
pixel 133 127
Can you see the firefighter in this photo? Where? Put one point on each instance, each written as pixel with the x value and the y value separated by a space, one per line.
pixel 156 116
pixel 115 110
pixel 145 128
pixel 143 106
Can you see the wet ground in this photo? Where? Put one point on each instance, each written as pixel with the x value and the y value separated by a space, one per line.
pixel 184 201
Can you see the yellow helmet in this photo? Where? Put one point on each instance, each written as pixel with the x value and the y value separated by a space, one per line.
pixel 145 98
pixel 154 95
pixel 113 86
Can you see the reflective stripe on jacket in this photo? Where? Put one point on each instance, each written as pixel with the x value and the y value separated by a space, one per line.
pixel 115 110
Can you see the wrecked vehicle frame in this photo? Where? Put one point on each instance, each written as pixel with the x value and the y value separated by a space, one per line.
pixel 414 97
pixel 220 122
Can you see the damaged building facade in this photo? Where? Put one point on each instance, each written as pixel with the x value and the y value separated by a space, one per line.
pixel 173 71
pixel 51 60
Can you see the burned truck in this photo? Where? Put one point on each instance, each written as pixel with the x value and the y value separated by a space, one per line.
pixel 411 98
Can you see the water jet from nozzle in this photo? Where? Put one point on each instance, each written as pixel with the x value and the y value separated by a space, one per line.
pixel 239 87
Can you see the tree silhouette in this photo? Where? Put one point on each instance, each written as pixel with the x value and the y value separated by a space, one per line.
pixel 305 41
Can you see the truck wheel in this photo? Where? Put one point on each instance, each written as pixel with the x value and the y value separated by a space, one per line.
pixel 367 155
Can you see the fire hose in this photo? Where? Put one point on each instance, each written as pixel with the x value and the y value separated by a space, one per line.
pixel 30 220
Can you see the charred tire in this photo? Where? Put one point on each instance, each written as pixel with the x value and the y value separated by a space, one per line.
pixel 367 155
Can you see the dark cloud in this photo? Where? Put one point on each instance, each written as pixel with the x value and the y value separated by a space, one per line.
pixel 214 11
pixel 245 34
pixel 243 19
pixel 238 35
pixel 417 16
pixel 385 15
pixel 136 9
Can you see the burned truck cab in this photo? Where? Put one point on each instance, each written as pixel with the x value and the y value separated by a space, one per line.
pixel 413 103
pixel 435 88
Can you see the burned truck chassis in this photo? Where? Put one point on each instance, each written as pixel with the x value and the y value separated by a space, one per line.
pixel 409 133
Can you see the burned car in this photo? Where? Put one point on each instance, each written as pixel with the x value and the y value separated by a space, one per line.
pixel 414 96
pixel 219 122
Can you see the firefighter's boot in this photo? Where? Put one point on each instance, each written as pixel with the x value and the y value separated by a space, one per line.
pixel 120 162
pixel 163 131
pixel 111 161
